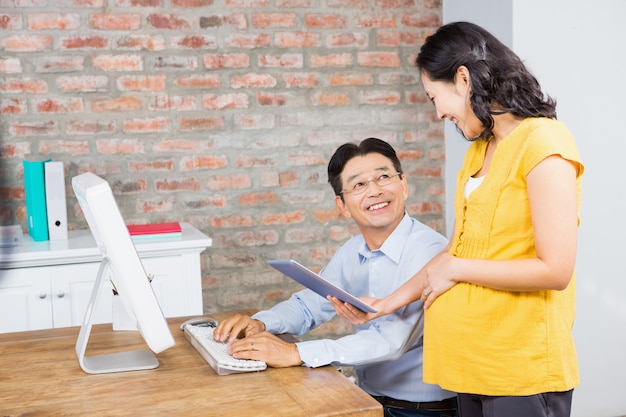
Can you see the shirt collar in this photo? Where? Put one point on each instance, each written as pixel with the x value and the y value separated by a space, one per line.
pixel 393 245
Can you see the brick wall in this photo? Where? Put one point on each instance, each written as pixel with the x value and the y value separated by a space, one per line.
pixel 221 113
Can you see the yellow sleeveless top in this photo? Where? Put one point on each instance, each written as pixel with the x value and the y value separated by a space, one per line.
pixel 483 341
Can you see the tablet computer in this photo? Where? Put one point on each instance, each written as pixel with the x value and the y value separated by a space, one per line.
pixel 316 283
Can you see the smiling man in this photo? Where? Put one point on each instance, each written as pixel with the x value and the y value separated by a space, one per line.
pixel 386 352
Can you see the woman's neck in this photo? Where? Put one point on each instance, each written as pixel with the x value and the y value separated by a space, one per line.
pixel 503 125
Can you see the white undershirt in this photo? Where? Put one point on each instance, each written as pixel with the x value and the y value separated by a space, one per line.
pixel 472 184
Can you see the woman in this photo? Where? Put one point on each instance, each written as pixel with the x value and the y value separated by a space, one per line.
pixel 500 298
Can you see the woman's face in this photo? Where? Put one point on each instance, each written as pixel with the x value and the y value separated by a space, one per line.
pixel 452 102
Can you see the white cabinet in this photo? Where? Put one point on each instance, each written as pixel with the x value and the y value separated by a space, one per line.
pixel 48 284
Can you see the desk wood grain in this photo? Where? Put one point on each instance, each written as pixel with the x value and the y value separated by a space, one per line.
pixel 40 376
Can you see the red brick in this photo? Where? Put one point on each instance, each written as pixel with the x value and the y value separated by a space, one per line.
pixel 102 21
pixel 376 20
pixel 396 4
pixel 167 21
pixel 119 146
pixel 194 42
pixel 288 178
pixel 10 21
pixel 333 60
pixel 13 106
pixel 302 80
pixel 201 123
pixel 252 80
pixel 26 43
pixel 396 39
pixel 352 4
pixel 189 184
pixel 139 3
pixel 331 99
pixel 347 39
pixel 199 81
pixel 229 182
pixel 273 99
pixel 164 102
pixel 225 101
pixel 141 83
pixel 10 193
pixel 273 20
pixel 52 21
pixel 124 62
pixel 215 201
pixel 421 20
pixel 141 42
pixel 248 41
pixel 304 235
pixel 85 42
pixel 37 128
pixel 301 4
pixel 378 59
pixel 281 61
pixel 256 238
pixel 325 216
pixel 150 206
pixel 218 61
pixel 200 162
pixel 14 150
pixel 246 4
pixel 380 97
pixel 121 104
pixel 190 4
pixel 258 198
pixel 254 121
pixel 236 20
pixel 351 79
pixel 64 147
pixel 81 127
pixel 325 21
pixel 64 105
pixel 83 83
pixel 23 85
pixel 148 125
pixel 60 64
pixel 246 161
pixel 176 145
pixel 284 218
pixel 232 221
pixel 297 39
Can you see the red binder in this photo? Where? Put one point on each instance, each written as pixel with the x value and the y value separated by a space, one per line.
pixel 154 228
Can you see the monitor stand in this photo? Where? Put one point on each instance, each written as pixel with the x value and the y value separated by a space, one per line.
pixel 132 360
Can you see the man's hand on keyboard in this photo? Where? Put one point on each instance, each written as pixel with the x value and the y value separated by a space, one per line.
pixel 237 326
pixel 268 348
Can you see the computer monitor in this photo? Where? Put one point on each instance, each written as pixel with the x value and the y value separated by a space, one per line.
pixel 122 266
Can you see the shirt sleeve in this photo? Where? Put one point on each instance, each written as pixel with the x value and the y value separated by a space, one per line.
pixel 382 339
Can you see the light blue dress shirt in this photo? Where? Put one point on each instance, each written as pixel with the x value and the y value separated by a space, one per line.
pixel 386 352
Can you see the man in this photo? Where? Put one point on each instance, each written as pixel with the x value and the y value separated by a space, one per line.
pixel 386 352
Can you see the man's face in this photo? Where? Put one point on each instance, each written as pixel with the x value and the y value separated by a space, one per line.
pixel 379 208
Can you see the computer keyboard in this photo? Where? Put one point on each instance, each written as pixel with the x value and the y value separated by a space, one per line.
pixel 216 353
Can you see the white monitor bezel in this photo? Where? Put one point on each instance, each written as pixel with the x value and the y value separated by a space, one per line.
pixel 122 266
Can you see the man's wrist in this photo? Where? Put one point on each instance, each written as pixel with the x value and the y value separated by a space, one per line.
pixel 261 325
pixel 298 354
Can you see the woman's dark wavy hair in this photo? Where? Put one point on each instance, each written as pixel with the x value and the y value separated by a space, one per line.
pixel 347 151
pixel 499 80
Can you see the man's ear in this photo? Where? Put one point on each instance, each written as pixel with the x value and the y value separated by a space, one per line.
pixel 341 206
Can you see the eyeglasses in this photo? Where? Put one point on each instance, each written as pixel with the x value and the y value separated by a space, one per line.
pixel 360 186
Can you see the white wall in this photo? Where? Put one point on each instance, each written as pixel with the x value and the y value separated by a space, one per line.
pixel 576 49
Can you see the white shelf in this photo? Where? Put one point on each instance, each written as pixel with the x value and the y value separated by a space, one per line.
pixel 80 247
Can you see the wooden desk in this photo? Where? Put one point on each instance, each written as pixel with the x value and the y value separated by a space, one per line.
pixel 40 376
